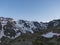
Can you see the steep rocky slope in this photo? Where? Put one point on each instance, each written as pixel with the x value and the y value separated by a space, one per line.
pixel 12 29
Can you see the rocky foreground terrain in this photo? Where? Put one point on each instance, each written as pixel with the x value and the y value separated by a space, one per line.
pixel 23 32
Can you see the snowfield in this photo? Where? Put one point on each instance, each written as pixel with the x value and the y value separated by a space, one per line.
pixel 50 34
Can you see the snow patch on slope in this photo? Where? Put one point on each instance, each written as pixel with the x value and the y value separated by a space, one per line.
pixel 50 34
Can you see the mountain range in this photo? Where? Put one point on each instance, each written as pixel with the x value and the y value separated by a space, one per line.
pixel 12 29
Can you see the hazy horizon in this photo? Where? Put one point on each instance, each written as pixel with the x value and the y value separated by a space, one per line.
pixel 33 10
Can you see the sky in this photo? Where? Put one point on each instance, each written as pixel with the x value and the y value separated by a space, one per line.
pixel 33 10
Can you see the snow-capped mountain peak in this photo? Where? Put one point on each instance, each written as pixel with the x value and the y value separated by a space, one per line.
pixel 13 29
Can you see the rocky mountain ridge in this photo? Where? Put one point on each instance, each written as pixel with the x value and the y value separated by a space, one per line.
pixel 13 29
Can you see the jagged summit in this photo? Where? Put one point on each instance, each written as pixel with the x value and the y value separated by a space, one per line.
pixel 13 29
